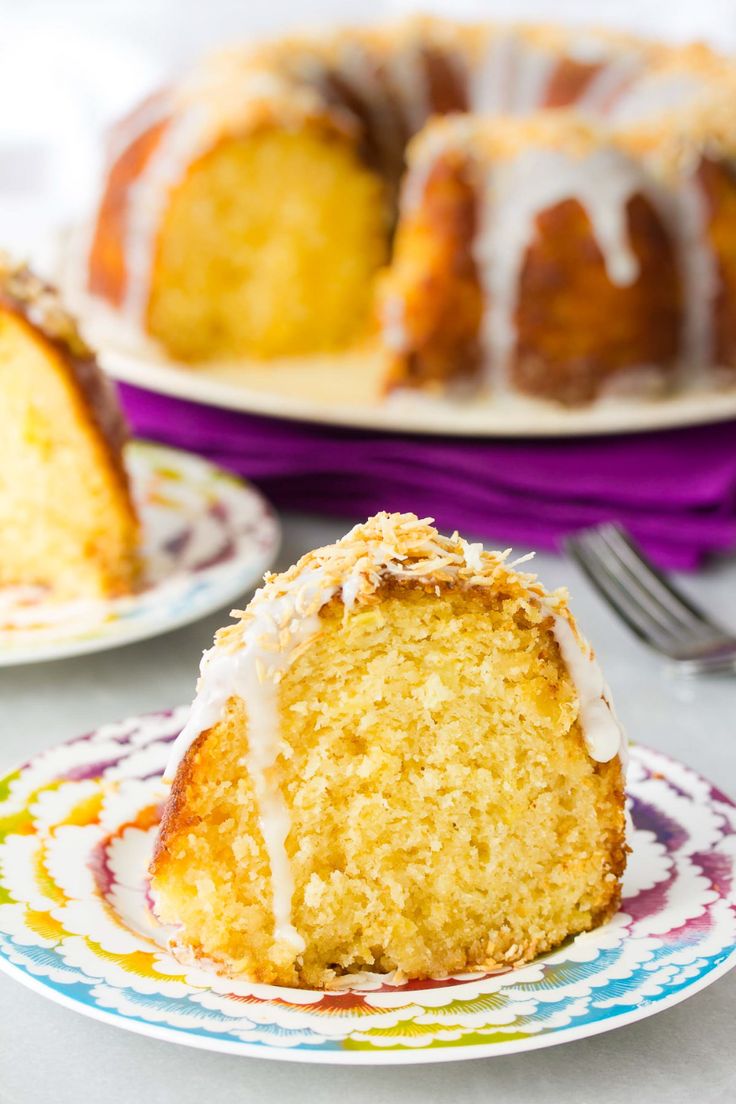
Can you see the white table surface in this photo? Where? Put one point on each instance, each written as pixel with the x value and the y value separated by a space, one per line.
pixel 50 1054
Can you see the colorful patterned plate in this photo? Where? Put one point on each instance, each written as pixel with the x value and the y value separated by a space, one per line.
pixel 77 826
pixel 207 539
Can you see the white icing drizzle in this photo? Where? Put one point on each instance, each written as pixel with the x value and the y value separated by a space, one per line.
pixel 513 76
pixel 211 103
pixel 408 75
pixel 654 95
pixel 531 78
pixel 250 664
pixel 433 144
pixel 491 80
pixel 147 201
pixel 602 732
pixel 507 74
pixel 515 192
pixel 393 323
pixel 151 112
pixel 252 671
pixel 608 85
pixel 699 272
pixel 587 48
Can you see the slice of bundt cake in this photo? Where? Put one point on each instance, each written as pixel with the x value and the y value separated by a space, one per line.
pixel 67 521
pixel 401 757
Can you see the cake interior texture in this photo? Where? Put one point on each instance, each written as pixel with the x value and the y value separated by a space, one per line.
pixel 268 246
pixel 444 812
pixel 66 520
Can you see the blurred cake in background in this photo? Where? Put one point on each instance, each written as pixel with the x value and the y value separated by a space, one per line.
pixel 67 522
pixel 401 757
pixel 250 210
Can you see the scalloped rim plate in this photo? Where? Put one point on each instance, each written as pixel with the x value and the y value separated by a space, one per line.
pixel 208 537
pixel 77 826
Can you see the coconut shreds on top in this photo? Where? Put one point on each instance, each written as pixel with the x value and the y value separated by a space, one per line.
pixel 398 546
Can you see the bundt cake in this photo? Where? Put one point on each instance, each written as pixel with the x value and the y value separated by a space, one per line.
pixel 248 210
pixel 67 522
pixel 401 758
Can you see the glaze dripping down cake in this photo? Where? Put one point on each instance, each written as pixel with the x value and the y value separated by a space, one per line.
pixel 568 281
pixel 67 521
pixel 401 757
pixel 250 210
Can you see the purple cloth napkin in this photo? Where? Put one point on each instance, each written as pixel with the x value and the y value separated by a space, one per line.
pixel 675 490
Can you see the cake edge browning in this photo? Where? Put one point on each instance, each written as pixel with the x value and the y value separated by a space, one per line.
pixel 174 819
pixel 38 306
pixel 564 279
pixel 430 298
pixel 107 263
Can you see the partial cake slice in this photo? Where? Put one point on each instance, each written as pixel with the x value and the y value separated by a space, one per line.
pixel 401 757
pixel 67 521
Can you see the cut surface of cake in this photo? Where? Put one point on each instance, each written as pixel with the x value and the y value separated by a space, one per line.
pixel 401 758
pixel 67 521
pixel 250 210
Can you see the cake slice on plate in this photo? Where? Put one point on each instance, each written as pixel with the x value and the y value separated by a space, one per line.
pixel 401 757
pixel 67 521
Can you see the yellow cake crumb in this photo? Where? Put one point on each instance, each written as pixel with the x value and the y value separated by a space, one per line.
pixel 247 264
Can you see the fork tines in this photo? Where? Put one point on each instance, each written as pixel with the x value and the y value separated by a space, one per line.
pixel 648 602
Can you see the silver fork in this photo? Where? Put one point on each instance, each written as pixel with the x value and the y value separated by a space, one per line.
pixel 651 606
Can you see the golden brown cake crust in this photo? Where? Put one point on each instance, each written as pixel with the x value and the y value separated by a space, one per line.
pixel 175 819
pixel 718 181
pixel 38 306
pixel 433 297
pixel 434 285
pixel 563 350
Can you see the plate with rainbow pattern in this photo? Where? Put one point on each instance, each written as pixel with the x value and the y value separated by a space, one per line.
pixel 208 537
pixel 77 826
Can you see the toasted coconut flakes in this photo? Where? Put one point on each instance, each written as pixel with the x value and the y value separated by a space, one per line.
pixel 386 546
pixel 522 559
